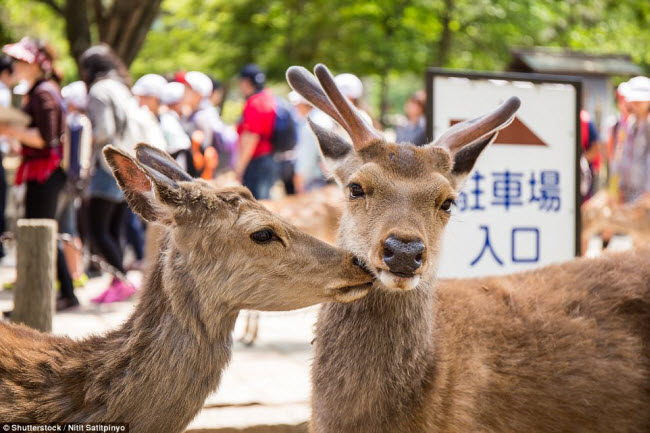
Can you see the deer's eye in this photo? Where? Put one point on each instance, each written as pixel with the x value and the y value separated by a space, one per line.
pixel 263 236
pixel 356 190
pixel 447 204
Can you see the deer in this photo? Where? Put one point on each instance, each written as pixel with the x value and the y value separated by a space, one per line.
pixel 222 251
pixel 562 349
pixel 602 214
pixel 316 213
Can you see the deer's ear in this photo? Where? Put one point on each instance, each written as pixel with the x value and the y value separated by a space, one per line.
pixel 334 148
pixel 148 192
pixel 160 161
pixel 465 158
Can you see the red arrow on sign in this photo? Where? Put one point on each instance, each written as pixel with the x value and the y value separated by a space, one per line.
pixel 517 133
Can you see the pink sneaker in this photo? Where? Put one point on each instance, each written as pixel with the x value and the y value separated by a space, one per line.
pixel 116 292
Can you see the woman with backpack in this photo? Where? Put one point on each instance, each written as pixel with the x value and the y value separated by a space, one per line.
pixel 110 105
pixel 41 143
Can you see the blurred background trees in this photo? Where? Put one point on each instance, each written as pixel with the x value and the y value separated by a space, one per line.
pixel 390 42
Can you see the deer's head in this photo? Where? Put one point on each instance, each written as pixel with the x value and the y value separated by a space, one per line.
pixel 225 248
pixel 399 196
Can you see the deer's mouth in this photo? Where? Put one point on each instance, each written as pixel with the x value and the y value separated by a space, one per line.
pixel 352 293
pixel 392 281
pixel 397 281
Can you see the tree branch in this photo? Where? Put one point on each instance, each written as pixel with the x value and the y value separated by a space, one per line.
pixel 52 4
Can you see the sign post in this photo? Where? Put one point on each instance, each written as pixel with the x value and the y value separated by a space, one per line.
pixel 520 207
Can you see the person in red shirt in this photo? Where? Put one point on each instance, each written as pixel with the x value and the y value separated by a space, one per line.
pixel 41 143
pixel 255 166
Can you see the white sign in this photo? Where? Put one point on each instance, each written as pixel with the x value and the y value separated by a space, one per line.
pixel 518 208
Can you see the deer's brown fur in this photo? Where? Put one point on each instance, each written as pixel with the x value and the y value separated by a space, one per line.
pixel 156 370
pixel 561 349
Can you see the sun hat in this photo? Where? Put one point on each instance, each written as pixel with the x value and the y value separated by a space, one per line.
pixel 199 82
pixel 149 85
pixel 637 89
pixel 172 93
pixel 26 50
pixel 350 85
pixel 29 50
pixel 76 94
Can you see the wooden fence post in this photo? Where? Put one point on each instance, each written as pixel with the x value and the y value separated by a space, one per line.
pixel 34 299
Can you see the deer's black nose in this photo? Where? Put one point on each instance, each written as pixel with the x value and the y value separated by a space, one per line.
pixel 403 257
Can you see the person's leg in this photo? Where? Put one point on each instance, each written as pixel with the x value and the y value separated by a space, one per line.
pixel 100 215
pixel 120 289
pixel 41 201
pixel 3 203
pixel 260 176
pixel 135 234
pixel 268 173
pixel 117 227
pixel 286 168
pixel 72 249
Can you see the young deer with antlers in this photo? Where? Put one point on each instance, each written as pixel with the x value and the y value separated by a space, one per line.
pixel 562 349
pixel 222 252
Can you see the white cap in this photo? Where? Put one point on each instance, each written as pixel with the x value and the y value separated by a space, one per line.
pixel 296 98
pixel 350 85
pixel 199 82
pixel 76 94
pixel 149 85
pixel 172 93
pixel 637 89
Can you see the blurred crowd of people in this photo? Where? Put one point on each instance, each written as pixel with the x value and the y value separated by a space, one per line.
pixel 66 178
pixel 626 151
pixel 628 144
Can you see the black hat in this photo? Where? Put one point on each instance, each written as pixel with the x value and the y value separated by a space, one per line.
pixel 253 73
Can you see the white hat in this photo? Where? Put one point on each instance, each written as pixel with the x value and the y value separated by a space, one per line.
pixel 76 94
pixel 637 89
pixel 350 85
pixel 296 98
pixel 149 85
pixel 172 93
pixel 199 82
pixel 623 88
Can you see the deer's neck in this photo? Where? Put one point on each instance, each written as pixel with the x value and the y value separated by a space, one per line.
pixel 374 358
pixel 157 370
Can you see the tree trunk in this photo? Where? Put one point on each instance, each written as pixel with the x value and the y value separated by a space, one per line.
pixel 441 54
pixel 125 26
pixel 77 27
pixel 383 97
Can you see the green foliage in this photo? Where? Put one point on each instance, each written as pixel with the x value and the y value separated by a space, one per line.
pixel 390 42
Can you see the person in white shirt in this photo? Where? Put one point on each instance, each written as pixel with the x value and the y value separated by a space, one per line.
pixel 308 170
pixel 77 161
pixel 147 90
pixel 178 142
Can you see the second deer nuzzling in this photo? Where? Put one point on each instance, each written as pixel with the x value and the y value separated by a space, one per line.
pixel 222 251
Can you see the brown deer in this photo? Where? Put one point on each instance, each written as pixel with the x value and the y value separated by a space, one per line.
pixel 222 252
pixel 316 213
pixel 601 214
pixel 562 349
